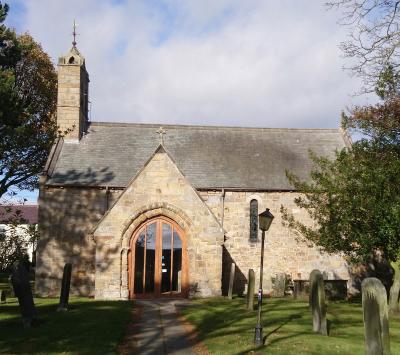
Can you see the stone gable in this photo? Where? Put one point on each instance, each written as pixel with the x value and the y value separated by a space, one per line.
pixel 158 189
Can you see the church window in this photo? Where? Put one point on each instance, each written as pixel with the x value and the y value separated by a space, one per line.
pixel 253 220
pixel 71 60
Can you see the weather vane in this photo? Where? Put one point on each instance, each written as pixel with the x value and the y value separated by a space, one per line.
pixel 74 34
pixel 161 131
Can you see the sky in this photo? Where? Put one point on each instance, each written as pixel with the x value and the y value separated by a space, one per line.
pixel 210 62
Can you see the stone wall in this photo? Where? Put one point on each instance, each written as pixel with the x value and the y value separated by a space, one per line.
pixel 66 218
pixel 283 251
pixel 159 189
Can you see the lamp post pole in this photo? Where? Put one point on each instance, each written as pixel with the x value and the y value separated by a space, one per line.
pixel 258 336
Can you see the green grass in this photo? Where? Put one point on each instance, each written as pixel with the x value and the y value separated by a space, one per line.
pixel 225 327
pixel 89 327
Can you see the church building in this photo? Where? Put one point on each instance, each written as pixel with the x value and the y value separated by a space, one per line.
pixel 147 211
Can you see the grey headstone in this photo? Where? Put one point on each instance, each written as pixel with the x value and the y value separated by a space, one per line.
pixel 65 287
pixel 22 290
pixel 376 320
pixel 395 289
pixel 231 278
pixel 279 285
pixel 250 290
pixel 317 302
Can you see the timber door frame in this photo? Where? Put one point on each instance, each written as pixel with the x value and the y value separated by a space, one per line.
pixel 158 260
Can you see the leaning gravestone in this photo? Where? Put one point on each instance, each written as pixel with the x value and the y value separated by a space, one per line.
pixel 376 321
pixel 317 302
pixel 65 287
pixel 22 290
pixel 231 279
pixel 250 290
pixel 280 285
pixel 3 297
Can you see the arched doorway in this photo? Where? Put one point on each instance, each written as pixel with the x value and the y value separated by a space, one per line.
pixel 158 260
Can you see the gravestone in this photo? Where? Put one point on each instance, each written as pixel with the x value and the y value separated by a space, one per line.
pixel 231 279
pixel 22 290
pixel 3 297
pixel 394 290
pixel 280 285
pixel 65 287
pixel 250 290
pixel 317 302
pixel 376 320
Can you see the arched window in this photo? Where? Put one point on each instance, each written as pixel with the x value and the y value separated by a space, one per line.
pixel 253 220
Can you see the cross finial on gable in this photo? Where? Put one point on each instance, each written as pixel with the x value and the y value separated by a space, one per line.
pixel 161 131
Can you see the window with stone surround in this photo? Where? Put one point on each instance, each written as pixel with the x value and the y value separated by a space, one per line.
pixel 253 220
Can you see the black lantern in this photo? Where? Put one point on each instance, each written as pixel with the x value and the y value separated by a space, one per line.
pixel 265 219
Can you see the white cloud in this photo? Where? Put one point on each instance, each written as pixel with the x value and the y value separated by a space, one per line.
pixel 250 63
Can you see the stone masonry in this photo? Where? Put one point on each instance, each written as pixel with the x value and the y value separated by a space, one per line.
pixel 69 215
pixel 159 189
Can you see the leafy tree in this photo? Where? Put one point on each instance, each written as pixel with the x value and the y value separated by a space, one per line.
pixel 16 238
pixel 28 89
pixel 355 199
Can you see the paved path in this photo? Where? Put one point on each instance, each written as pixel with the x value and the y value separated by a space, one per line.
pixel 159 330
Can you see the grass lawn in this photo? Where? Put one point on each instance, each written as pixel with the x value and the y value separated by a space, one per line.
pixel 225 327
pixel 89 327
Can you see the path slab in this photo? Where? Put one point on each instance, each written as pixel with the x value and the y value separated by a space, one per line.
pixel 160 331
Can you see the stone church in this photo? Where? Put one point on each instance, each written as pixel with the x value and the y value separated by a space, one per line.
pixel 147 211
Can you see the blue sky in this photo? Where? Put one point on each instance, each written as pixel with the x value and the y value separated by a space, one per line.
pixel 217 62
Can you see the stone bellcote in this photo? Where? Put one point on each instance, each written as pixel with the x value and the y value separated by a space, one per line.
pixel 72 99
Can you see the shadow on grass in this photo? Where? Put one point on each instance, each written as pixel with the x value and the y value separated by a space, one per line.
pixel 226 327
pixel 88 327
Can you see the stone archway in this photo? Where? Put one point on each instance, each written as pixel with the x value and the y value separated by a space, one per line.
pixel 157 260
pixel 133 225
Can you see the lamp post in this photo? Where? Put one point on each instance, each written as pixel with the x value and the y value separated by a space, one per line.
pixel 265 219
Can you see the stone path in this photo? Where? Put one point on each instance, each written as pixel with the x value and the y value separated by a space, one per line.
pixel 158 330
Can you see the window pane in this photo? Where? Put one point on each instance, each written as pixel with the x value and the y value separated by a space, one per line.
pixel 150 256
pixel 139 264
pixel 253 219
pixel 166 258
pixel 177 264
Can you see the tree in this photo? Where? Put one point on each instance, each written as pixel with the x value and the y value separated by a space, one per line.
pixel 355 199
pixel 16 238
pixel 28 89
pixel 374 35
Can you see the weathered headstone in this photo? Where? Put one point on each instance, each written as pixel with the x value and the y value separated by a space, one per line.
pixel 231 279
pixel 394 290
pixel 3 297
pixel 317 302
pixel 250 290
pixel 22 290
pixel 280 284
pixel 65 287
pixel 376 320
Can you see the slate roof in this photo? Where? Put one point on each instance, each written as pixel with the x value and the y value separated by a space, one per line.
pixel 112 154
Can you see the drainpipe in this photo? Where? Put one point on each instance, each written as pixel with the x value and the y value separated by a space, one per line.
pixel 107 193
pixel 223 206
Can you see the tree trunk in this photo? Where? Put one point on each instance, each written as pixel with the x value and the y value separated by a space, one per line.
pixel 395 289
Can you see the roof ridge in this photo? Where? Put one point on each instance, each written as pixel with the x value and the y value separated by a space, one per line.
pixel 200 127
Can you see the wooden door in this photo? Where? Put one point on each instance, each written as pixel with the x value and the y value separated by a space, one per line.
pixel 158 260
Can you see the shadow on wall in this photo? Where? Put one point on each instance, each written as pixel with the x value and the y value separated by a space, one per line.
pixel 240 279
pixel 66 217
pixel 380 269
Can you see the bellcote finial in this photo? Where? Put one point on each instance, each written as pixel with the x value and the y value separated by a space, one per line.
pixel 74 34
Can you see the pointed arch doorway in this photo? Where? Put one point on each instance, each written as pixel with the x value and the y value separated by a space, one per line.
pixel 157 260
